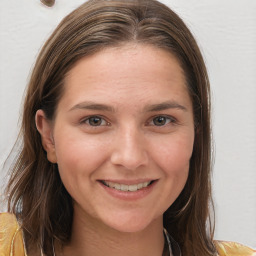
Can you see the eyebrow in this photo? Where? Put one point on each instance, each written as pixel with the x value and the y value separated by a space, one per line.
pixel 164 106
pixel 92 106
pixel 149 108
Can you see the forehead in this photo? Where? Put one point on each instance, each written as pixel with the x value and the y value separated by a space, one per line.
pixel 128 57
pixel 130 71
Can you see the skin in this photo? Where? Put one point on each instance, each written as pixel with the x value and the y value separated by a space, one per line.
pixel 139 84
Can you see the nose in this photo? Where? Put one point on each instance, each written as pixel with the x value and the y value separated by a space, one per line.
pixel 129 149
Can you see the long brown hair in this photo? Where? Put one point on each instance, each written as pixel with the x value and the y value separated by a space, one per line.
pixel 36 193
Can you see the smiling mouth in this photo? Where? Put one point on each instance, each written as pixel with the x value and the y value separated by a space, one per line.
pixel 125 187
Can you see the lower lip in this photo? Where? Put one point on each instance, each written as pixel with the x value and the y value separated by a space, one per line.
pixel 129 195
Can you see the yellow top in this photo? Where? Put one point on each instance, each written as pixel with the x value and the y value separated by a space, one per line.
pixel 11 241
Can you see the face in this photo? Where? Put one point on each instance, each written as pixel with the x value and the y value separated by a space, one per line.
pixel 123 136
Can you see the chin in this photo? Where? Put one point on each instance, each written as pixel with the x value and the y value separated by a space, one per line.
pixel 130 228
pixel 130 224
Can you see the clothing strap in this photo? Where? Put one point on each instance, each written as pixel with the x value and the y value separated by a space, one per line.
pixel 174 248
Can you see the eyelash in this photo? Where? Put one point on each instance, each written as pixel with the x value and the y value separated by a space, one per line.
pixel 87 120
pixel 151 122
pixel 171 120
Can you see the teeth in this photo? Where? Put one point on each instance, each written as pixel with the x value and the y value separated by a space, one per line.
pixel 124 187
pixel 140 185
pixel 133 187
pixel 117 186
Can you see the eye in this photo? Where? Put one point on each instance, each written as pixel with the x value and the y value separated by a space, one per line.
pixel 161 120
pixel 95 121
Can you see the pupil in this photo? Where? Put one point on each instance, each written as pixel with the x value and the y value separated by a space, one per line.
pixel 95 121
pixel 160 120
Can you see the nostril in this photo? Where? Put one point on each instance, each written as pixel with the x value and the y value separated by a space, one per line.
pixel 130 160
pixel 129 149
pixel 48 3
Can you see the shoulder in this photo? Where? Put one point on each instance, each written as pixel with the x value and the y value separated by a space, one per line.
pixel 233 249
pixel 11 240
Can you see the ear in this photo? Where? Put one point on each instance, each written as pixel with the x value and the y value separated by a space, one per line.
pixel 44 127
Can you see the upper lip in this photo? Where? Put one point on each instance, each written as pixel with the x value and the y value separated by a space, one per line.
pixel 128 182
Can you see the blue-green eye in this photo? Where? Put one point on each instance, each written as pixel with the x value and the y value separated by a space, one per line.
pixel 162 120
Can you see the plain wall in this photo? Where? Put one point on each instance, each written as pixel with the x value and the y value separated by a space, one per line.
pixel 226 33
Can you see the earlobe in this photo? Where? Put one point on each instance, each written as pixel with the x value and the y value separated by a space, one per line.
pixel 44 127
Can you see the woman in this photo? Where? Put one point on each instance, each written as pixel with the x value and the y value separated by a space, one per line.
pixel 116 153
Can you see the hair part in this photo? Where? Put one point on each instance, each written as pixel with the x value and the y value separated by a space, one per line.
pixel 36 193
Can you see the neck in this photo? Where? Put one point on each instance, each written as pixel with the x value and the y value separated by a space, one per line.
pixel 91 238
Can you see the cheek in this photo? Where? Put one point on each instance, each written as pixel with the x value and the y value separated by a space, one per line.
pixel 174 159
pixel 78 154
pixel 174 155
